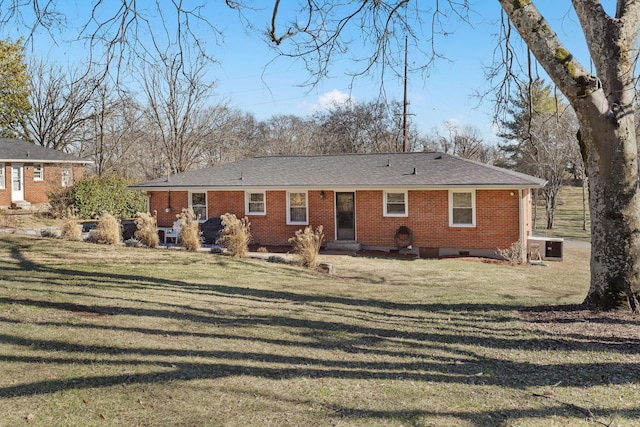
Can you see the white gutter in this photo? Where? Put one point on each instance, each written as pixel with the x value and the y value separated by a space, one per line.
pixel 333 187
pixel 34 160
pixel 523 242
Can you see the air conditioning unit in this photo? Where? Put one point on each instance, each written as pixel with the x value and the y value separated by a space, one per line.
pixel 545 248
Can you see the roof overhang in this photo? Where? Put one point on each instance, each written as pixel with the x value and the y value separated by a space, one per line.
pixel 337 188
pixel 35 160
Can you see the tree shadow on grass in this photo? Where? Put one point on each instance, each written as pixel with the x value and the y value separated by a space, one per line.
pixel 460 364
pixel 497 339
pixel 294 367
pixel 496 372
pixel 553 408
pixel 457 312
pixel 131 281
pixel 462 357
pixel 599 415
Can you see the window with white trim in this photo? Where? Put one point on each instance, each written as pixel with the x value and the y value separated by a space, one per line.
pixel 395 203
pixel 38 172
pixel 67 176
pixel 297 212
pixel 2 177
pixel 255 203
pixel 198 202
pixel 462 208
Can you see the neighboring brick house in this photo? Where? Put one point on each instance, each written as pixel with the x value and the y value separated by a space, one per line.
pixel 437 204
pixel 28 172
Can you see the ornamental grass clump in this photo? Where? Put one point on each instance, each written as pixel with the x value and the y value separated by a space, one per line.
pixel 235 235
pixel 147 230
pixel 189 236
pixel 513 254
pixel 306 244
pixel 71 229
pixel 109 230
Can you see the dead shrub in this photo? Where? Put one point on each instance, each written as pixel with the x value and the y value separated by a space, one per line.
pixel 60 201
pixel 189 237
pixel 306 244
pixel 71 229
pixel 147 230
pixel 235 235
pixel 109 230
pixel 513 254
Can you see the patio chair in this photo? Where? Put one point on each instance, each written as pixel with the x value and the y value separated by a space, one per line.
pixel 173 232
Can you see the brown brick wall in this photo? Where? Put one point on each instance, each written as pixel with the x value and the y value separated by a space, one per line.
pixel 37 191
pixel 272 228
pixel 160 201
pixel 497 221
pixel 222 202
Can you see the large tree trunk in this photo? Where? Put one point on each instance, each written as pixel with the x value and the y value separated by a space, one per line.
pixel 604 106
pixel 612 168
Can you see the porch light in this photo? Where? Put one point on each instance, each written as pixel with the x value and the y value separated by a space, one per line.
pixel 322 194
pixel 168 208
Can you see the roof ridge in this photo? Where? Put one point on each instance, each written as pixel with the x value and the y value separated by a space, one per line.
pixel 341 155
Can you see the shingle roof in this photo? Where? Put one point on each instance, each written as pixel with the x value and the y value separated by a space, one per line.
pixel 17 150
pixel 353 171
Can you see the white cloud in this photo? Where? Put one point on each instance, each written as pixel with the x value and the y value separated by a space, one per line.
pixel 335 98
pixel 328 100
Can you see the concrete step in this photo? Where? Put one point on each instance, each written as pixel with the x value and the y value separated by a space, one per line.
pixel 21 204
pixel 343 245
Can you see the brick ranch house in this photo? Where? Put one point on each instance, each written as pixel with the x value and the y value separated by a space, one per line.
pixel 432 204
pixel 28 172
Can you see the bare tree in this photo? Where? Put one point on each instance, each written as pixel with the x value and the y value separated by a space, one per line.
pixel 113 139
pixel 288 135
pixel 62 107
pixel 551 157
pixel 176 98
pixel 462 141
pixel 540 139
pixel 371 127
pixel 234 135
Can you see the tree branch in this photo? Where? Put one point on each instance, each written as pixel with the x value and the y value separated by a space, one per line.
pixel 565 70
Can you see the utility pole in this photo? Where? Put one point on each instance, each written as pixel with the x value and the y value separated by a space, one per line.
pixel 404 107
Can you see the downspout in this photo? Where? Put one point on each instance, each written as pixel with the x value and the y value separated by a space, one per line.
pixel 523 241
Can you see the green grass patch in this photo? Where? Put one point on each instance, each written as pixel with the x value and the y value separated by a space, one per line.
pixel 94 335
pixel 568 219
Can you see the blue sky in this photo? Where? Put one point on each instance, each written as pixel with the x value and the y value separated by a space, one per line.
pixel 445 93
pixel 249 78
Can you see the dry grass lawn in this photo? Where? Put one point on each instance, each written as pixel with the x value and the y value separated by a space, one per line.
pixel 94 335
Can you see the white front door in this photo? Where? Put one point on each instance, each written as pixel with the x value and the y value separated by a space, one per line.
pixel 17 182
